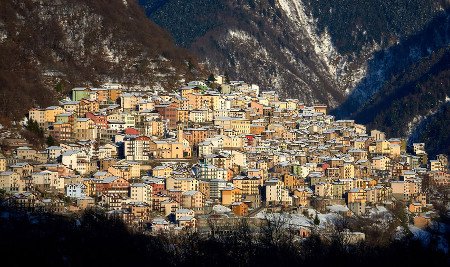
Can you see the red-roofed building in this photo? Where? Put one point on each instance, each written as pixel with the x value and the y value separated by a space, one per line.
pixel 131 131
pixel 99 120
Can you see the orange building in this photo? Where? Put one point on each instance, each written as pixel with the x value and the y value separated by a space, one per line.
pixel 239 208
pixel 231 195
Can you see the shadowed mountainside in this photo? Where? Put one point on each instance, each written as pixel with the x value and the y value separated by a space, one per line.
pixel 43 43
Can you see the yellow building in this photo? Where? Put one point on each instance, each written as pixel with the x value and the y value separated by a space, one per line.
pixel 347 171
pixel 356 201
pixel 231 195
pixel 171 149
pixel 85 129
pixel 302 196
pixel 182 184
pixel 11 182
pixel 192 199
pixel 2 163
pixel 248 185
pixel 380 163
pixel 154 128
pixel 45 116
pixel 239 125
pixel 51 113
pixel 291 181
pixel 162 171
pixel 125 169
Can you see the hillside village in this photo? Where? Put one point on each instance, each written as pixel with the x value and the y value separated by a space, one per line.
pixel 218 151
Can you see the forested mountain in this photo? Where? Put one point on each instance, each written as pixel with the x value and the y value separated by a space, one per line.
pixel 315 50
pixel 350 54
pixel 413 99
pixel 74 42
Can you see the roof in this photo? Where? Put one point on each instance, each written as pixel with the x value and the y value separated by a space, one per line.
pixel 186 218
pixel 178 211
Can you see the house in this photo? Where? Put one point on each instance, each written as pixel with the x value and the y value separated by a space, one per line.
pixel 111 201
pixel 276 193
pixel 2 163
pixel 356 201
pixel 85 202
pixel 168 206
pixel 77 190
pixel 162 171
pixel 159 225
pixel 25 152
pixel 415 207
pixel 22 168
pixel 182 184
pixel 112 185
pixel 137 148
pixel 85 129
pixel 182 213
pixel 47 180
pixel 23 201
pixel 54 152
pixel 52 206
pixel 248 185
pixel 239 208
pixel 230 195
pixel 302 196
pixel 380 163
pixel 215 188
pixel 406 190
pixel 11 182
pixel 192 199
pixel 141 192
pixel 188 222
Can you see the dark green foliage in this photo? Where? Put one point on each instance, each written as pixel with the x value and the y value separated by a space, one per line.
pixel 434 132
pixel 185 20
pixel 316 220
pixel 211 78
pixel 34 127
pixel 51 141
pixel 354 23
pixel 419 90
pixel 59 87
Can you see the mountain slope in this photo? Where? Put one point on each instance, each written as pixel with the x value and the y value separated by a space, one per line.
pixel 260 41
pixel 316 50
pixel 77 42
pixel 385 65
pixel 411 100
pixel 434 132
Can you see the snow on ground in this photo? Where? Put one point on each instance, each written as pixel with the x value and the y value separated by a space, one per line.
pixel 221 209
pixel 337 208
pixel 420 234
pixel 296 220
pixel 290 220
pixel 425 236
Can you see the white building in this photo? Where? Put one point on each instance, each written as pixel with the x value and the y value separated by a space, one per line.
pixel 141 192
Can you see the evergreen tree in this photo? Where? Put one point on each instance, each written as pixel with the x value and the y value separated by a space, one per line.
pixel 316 220
pixel 59 87
pixel 34 127
pixel 51 141
pixel 227 78
pixel 211 78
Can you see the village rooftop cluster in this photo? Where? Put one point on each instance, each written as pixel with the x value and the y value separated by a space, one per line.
pixel 167 161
